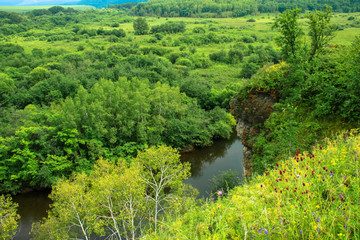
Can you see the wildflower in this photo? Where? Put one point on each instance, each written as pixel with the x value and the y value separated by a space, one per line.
pixel 260 230
pixel 300 232
pixel 219 192
pixel 318 220
pixel 266 231
pixel 318 229
pixel 313 213
pixel 345 226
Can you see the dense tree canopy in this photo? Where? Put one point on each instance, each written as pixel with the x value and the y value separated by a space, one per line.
pixel 233 8
pixel 118 200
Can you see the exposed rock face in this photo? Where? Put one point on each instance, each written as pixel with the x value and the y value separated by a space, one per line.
pixel 250 114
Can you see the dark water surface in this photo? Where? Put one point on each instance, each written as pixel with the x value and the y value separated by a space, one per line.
pixel 205 164
pixel 33 207
pixel 208 162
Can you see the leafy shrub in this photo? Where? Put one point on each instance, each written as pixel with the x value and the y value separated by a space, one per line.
pixel 169 27
pixel 247 39
pixel 198 30
pixel 159 36
pixel 251 20
pixel 184 62
pixel 220 56
pixel 249 69
pixel 115 25
pixel 120 33
pixel 225 182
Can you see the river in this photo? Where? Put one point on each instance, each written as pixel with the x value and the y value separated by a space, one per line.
pixel 206 163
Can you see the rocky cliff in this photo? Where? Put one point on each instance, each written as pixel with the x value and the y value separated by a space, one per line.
pixel 250 113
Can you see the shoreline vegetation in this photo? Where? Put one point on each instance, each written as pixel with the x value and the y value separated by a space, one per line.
pixel 104 95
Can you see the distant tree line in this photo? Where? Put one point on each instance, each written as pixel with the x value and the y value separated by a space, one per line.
pixel 234 8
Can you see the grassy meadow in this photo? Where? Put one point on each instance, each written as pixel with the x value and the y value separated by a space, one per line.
pixel 258 28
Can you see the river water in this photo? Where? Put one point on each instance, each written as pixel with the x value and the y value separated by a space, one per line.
pixel 206 163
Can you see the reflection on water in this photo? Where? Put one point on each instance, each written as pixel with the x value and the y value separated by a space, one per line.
pixel 205 164
pixel 211 161
pixel 33 207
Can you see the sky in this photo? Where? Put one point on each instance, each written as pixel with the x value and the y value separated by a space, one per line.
pixel 33 2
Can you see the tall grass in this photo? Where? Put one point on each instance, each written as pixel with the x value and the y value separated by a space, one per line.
pixel 310 196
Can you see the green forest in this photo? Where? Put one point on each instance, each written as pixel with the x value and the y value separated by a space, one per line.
pixel 96 104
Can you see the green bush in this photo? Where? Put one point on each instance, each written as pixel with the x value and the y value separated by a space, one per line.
pixel 225 182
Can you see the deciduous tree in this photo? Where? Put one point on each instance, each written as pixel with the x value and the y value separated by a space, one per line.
pixel 141 27
pixel 8 218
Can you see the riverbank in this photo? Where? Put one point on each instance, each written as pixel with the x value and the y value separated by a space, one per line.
pixel 206 163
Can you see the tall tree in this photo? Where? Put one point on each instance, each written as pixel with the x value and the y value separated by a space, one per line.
pixel 141 27
pixel 162 171
pixel 321 31
pixel 287 24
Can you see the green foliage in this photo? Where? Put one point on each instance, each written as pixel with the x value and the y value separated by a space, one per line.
pixel 225 182
pixel 116 199
pixel 7 87
pixel 287 23
pixel 321 31
pixel 169 27
pixel 162 171
pixel 232 8
pixel 141 27
pixel 8 218
pixel 249 69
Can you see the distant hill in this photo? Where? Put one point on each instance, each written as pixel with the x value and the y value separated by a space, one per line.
pixel 25 9
pixel 106 3
pixel 37 2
